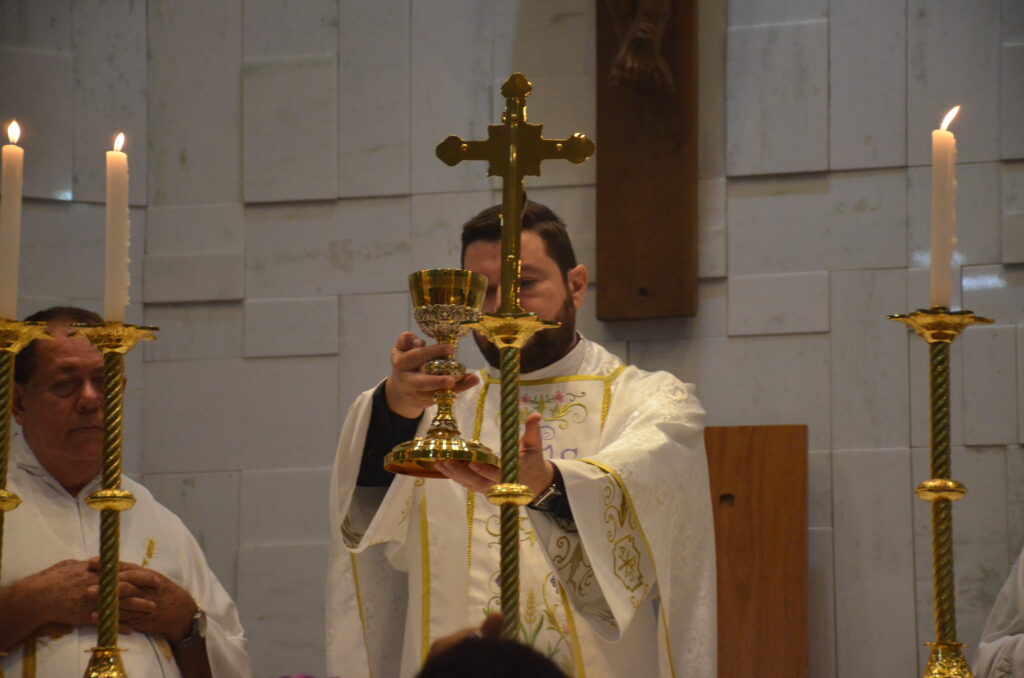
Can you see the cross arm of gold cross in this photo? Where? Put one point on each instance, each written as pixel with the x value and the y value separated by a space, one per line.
pixel 515 139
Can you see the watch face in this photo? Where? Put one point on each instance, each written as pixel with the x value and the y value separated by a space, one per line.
pixel 199 623
pixel 546 498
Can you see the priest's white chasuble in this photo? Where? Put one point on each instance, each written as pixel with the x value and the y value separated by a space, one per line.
pixel 629 589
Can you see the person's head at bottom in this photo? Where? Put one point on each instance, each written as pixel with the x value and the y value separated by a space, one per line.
pixel 476 657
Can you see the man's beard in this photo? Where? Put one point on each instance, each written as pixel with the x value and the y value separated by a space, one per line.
pixel 544 348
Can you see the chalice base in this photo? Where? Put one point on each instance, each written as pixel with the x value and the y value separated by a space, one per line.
pixel 418 456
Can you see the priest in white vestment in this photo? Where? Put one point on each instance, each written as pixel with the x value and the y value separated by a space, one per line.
pixel 177 620
pixel 1001 650
pixel 617 561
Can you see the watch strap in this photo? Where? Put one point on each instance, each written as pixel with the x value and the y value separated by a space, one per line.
pixel 196 632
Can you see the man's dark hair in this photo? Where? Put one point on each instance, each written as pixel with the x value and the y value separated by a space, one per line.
pixel 538 218
pixel 490 658
pixel 25 362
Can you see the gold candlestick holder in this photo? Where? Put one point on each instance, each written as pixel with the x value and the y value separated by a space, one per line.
pixel 939 327
pixel 15 335
pixel 513 150
pixel 113 339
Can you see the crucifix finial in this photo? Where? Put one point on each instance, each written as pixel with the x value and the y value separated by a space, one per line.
pixel 514 149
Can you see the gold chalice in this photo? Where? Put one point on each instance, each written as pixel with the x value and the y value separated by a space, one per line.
pixel 444 300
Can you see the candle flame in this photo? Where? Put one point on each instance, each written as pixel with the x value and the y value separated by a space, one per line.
pixel 119 141
pixel 949 117
pixel 14 131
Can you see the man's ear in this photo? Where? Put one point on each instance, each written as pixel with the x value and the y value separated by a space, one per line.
pixel 577 279
pixel 17 404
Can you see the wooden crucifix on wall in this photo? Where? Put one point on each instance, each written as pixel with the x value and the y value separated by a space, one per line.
pixel 647 168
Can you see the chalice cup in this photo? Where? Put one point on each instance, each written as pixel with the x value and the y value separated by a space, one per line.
pixel 444 300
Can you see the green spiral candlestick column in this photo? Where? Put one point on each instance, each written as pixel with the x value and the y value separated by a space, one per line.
pixel 113 339
pixel 14 336
pixel 939 327
pixel 509 481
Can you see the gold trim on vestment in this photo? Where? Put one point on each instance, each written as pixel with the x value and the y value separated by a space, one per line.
pixel 425 569
pixel 668 639
pixel 478 424
pixel 481 402
pixel 577 654
pixel 362 615
pixel 488 379
pixel 606 403
pixel 647 545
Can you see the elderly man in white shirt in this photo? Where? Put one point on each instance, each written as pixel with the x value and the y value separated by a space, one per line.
pixel 176 618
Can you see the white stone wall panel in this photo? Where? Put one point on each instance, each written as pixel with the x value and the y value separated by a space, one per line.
pixel 953 59
pixel 451 84
pixel 176 278
pixel 110 95
pixel 744 381
pixel 867 84
pixel 280 598
pixel 777 98
pixel 291 327
pixel 195 103
pixel 39 93
pixel 794 303
pixel 375 113
pixel 214 415
pixel 194 331
pixel 853 220
pixel 284 506
pixel 988 385
pixel 290 128
pixel 874 568
pixel 313 249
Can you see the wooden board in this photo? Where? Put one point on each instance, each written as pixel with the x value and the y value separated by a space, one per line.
pixel 647 181
pixel 759 493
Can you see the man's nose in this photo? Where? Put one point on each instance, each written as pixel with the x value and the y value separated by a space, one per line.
pixel 91 395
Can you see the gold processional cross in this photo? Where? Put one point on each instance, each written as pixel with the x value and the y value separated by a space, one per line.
pixel 513 150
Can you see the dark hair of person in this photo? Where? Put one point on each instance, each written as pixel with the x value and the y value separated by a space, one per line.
pixel 490 658
pixel 25 362
pixel 538 218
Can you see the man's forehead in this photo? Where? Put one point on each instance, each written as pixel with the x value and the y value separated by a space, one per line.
pixel 533 252
pixel 65 353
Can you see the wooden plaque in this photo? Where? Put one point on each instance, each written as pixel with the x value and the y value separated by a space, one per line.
pixel 759 493
pixel 647 180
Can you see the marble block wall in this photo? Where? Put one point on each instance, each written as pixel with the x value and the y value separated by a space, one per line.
pixel 284 183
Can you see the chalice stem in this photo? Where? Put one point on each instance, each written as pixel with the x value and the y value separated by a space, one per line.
pixel 443 424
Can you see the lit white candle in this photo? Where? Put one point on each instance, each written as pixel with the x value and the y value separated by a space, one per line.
pixel 116 281
pixel 10 222
pixel 943 210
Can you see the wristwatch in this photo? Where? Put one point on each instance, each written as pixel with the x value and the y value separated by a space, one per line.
pixel 549 496
pixel 196 632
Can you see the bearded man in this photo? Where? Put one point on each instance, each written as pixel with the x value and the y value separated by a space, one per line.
pixel 617 570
